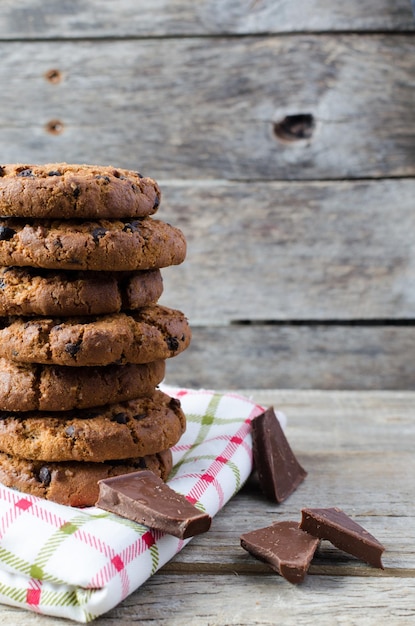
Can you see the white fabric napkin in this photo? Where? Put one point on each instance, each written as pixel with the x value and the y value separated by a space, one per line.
pixel 80 563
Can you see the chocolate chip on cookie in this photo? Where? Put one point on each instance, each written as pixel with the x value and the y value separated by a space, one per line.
pixel 152 333
pixel 31 387
pixel 102 245
pixel 74 483
pixel 78 436
pixel 61 190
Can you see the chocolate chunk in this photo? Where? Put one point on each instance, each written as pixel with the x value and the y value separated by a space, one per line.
pixel 140 416
pixel 279 472
pixel 156 202
pixel 120 418
pixel 104 178
pixel 6 233
pixel 73 348
pixel 27 172
pixel 70 431
pixel 284 546
pixel 131 227
pixel 97 233
pixel 45 476
pixel 175 403
pixel 172 343
pixel 54 173
pixel 343 532
pixel 144 498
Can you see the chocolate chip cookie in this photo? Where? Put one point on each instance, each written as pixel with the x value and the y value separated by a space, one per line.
pixel 118 431
pixel 101 245
pixel 33 291
pixel 72 483
pixel 152 333
pixel 31 387
pixel 59 190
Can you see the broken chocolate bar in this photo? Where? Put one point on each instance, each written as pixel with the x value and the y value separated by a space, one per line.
pixel 344 533
pixel 144 498
pixel 278 470
pixel 284 546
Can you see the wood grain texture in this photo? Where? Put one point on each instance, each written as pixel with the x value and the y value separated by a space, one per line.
pixel 252 600
pixel 357 449
pixel 311 231
pixel 148 18
pixel 292 251
pixel 303 357
pixel 164 106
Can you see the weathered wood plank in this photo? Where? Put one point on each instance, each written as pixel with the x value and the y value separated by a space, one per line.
pixel 293 251
pixel 343 422
pixel 249 600
pixel 374 407
pixel 303 357
pixel 163 105
pixel 272 252
pixel 264 600
pixel 125 18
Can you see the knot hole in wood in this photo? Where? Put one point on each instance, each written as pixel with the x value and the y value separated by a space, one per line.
pixel 55 127
pixel 53 76
pixel 295 127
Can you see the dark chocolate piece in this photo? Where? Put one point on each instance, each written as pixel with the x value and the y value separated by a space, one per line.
pixel 284 546
pixel 279 472
pixel 144 498
pixel 6 233
pixel 344 533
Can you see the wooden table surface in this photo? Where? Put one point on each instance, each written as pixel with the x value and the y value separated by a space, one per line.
pixel 301 237
pixel 358 450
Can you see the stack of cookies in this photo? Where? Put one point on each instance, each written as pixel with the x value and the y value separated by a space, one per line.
pixel 83 341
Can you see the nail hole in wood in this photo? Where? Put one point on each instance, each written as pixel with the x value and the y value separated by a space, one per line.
pixel 55 127
pixel 53 76
pixel 295 127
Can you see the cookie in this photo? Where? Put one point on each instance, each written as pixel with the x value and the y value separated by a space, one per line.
pixel 118 431
pixel 33 291
pixel 109 245
pixel 152 333
pixel 30 387
pixel 59 190
pixel 72 483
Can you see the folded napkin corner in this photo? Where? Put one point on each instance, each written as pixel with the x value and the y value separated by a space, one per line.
pixel 80 563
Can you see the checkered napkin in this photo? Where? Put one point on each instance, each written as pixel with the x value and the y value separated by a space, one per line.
pixel 80 563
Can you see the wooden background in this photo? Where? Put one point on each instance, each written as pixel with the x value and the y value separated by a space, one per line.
pixel 283 137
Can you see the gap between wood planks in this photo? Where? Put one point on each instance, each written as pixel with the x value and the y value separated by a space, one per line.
pixel 323 322
pixel 222 35
pixel 257 568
